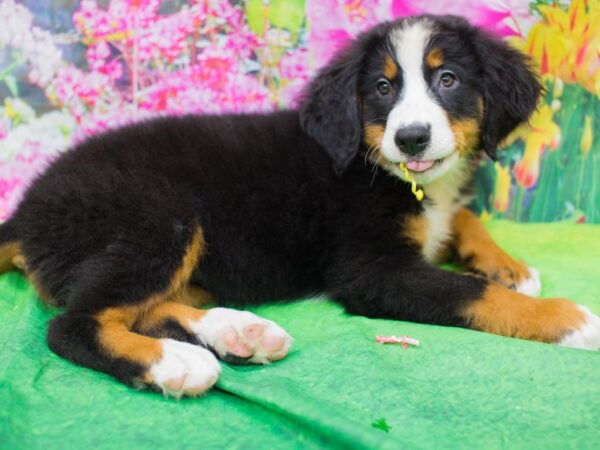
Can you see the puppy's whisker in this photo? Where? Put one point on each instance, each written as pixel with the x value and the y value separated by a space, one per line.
pixel 375 168
pixel 372 149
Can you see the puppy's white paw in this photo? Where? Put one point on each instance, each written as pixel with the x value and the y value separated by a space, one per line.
pixel 184 369
pixel 532 285
pixel 587 336
pixel 243 335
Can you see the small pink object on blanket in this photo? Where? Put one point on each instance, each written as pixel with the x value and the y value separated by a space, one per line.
pixel 404 340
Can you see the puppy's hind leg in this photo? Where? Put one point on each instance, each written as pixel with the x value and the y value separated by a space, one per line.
pixel 118 288
pixel 10 248
pixel 234 336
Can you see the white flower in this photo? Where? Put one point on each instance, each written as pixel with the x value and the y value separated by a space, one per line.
pixel 34 44
pixel 16 109
pixel 50 132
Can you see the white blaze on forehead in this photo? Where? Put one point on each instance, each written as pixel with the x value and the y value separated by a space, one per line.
pixel 416 105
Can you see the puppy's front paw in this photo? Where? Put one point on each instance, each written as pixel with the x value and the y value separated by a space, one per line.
pixel 508 272
pixel 552 320
pixel 587 335
pixel 240 336
pixel 184 369
pixel 531 285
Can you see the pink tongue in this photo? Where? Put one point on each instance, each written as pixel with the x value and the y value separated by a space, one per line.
pixel 419 166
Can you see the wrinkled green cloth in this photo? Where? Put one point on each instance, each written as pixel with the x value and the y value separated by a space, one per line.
pixel 337 388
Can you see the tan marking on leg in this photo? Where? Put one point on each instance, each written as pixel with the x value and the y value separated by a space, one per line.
pixel 475 246
pixel 194 296
pixel 435 58
pixel 508 313
pixel 12 258
pixel 118 341
pixel 373 135
pixel 115 335
pixel 183 314
pixel 42 293
pixel 189 262
pixel 466 132
pixel 10 254
pixel 390 69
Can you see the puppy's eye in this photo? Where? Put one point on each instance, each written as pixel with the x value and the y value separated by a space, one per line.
pixel 384 87
pixel 447 79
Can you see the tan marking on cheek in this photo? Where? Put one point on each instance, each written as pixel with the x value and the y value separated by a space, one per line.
pixel 390 69
pixel 474 245
pixel 373 135
pixel 480 106
pixel 508 313
pixel 416 228
pixel 435 58
pixel 466 133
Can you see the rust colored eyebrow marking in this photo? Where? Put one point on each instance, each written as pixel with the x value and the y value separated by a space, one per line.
pixel 390 69
pixel 435 58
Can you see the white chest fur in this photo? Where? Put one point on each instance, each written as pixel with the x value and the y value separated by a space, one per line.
pixel 443 200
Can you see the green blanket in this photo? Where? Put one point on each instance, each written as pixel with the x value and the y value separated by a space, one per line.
pixel 337 388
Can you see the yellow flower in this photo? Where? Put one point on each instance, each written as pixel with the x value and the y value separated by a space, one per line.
pixel 559 86
pixel 566 42
pixel 539 134
pixel 18 111
pixel 485 216
pixel 502 188
pixel 587 136
pixel 9 110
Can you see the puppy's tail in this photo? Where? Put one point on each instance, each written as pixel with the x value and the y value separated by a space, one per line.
pixel 10 248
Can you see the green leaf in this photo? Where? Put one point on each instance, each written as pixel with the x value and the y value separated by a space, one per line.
pixel 11 83
pixel 287 14
pixel 255 17
pixel 381 424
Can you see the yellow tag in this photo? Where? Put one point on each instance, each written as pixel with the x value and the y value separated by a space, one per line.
pixel 418 193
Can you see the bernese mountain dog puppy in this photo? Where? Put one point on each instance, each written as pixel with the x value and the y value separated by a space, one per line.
pixel 131 230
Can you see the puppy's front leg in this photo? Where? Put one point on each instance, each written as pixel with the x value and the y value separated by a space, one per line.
pixel 478 252
pixel 404 287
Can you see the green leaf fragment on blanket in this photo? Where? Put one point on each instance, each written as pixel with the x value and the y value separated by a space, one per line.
pixel 381 424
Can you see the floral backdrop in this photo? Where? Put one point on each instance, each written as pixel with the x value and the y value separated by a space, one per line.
pixel 69 69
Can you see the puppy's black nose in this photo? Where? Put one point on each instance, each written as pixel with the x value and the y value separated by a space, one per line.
pixel 413 139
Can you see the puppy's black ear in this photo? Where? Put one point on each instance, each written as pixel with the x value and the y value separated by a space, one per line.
pixel 511 89
pixel 330 110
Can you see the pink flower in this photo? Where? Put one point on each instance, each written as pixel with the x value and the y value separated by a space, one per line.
pixel 71 84
pixel 294 64
pixel 16 176
pixel 334 22
pixel 499 16
pixel 97 54
pixel 291 94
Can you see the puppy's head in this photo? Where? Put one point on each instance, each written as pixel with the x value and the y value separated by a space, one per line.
pixel 425 91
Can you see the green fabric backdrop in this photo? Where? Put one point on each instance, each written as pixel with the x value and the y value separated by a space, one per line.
pixel 460 389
